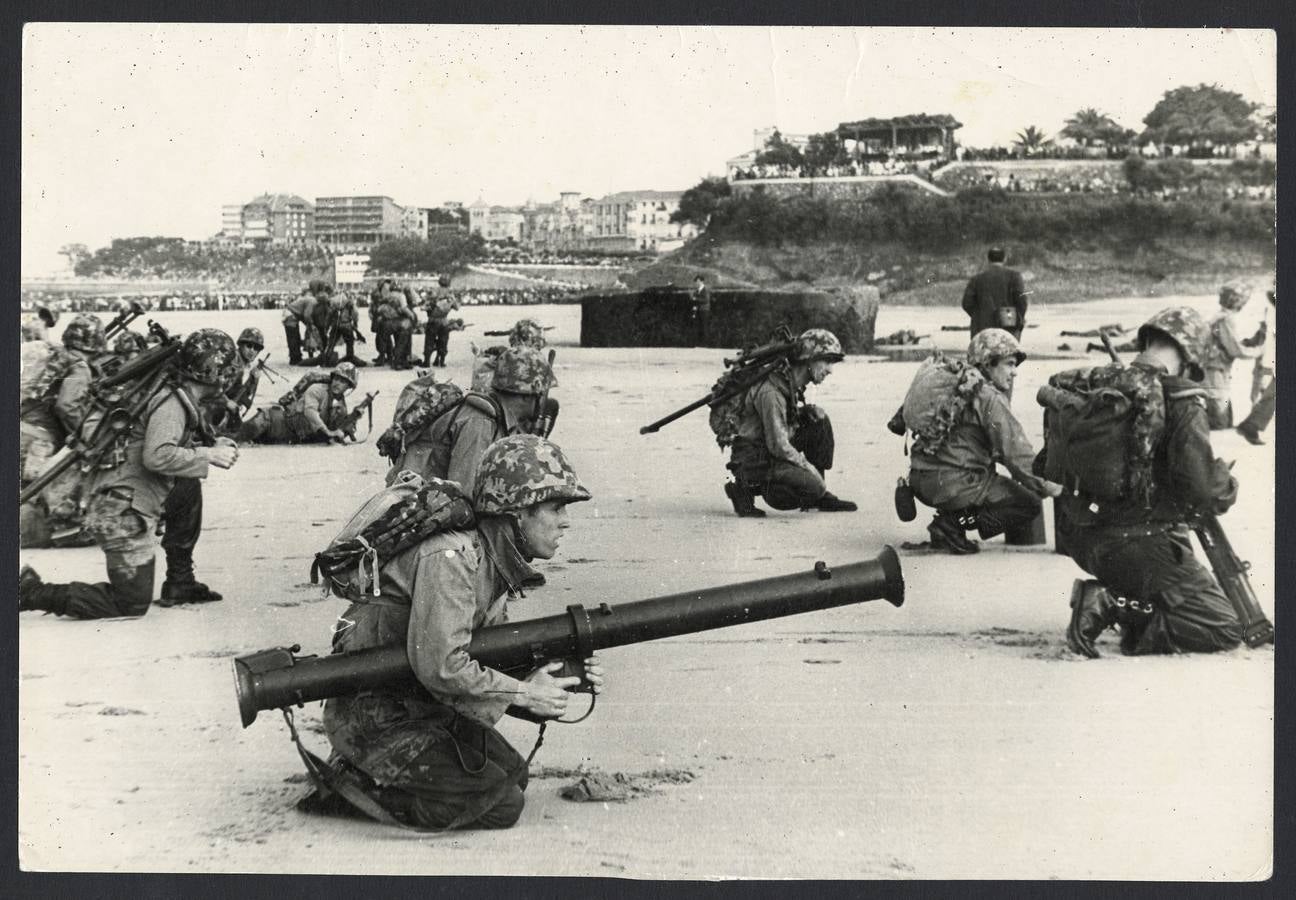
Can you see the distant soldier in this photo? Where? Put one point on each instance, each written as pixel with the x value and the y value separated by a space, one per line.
pixel 784 446
pixel 428 754
pixel 961 426
pixel 1149 582
pixel 436 335
pixel 996 297
pixel 451 445
pixel 1264 386
pixel 379 316
pixel 701 296
pixel 313 417
pixel 1224 347
pixel 127 500
pixel 299 314
pixel 54 391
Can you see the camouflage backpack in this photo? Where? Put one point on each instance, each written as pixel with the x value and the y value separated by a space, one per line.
pixel 421 403
pixel 303 384
pixel 42 368
pixel 391 521
pixel 1103 425
pixel 941 391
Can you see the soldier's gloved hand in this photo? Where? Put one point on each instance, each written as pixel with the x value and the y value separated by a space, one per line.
pixel 1225 501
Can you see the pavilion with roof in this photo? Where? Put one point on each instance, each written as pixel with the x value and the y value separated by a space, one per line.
pixel 913 137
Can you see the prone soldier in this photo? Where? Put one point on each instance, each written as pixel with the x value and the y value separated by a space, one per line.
pixel 313 416
pixel 127 499
pixel 962 425
pixel 784 446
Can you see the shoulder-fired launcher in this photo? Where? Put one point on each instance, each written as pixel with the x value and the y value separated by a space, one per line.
pixel 276 678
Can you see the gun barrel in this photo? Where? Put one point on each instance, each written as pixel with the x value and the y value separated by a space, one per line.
pixel 1234 581
pixel 654 427
pixel 275 678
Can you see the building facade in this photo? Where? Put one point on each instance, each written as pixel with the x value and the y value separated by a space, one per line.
pixel 278 219
pixel 357 223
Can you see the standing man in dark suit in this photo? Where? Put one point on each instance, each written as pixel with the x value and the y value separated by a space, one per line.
pixel 996 297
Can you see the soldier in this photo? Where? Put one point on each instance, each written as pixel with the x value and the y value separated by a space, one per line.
pixel 436 335
pixel 996 297
pixel 1149 581
pixel 701 296
pixel 378 320
pixel 312 418
pixel 55 386
pixel 785 445
pixel 451 447
pixel 299 313
pixel 1264 387
pixel 527 333
pixel 127 500
pixel 962 426
pixel 429 754
pixel 229 408
pixel 1223 347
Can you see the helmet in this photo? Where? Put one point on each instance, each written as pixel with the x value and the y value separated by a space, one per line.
pixel 818 343
pixel 527 333
pixel 49 316
pixel 991 345
pixel 85 332
pixel 521 470
pixel 207 357
pixel 521 370
pixel 252 336
pixel 443 280
pixel 346 371
pixel 1183 326
pixel 1234 295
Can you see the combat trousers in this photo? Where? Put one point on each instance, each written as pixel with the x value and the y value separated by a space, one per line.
pixel 382 340
pixel 1263 412
pixel 293 334
pixel 402 338
pixel 428 771
pixel 126 537
pixel 1191 614
pixel 786 485
pixel 182 520
pixel 998 503
pixel 436 337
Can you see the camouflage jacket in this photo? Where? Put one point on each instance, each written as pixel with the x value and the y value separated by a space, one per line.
pixel 56 396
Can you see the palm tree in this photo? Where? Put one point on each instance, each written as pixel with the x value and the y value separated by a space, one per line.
pixel 1031 140
pixel 1086 126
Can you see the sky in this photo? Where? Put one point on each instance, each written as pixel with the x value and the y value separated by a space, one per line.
pixel 148 129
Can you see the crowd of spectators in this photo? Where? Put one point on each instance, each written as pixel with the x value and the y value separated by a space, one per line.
pixel 178 260
pixel 504 255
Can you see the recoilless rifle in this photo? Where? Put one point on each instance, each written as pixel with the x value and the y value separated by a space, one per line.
pixel 278 678
pixel 749 367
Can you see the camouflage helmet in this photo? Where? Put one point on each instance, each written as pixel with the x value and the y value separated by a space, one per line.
pixel 527 333
pixel 252 336
pixel 1234 295
pixel 1189 333
pixel 127 343
pixel 522 470
pixel 346 371
pixel 991 345
pixel 207 356
pixel 85 332
pixel 818 343
pixel 521 370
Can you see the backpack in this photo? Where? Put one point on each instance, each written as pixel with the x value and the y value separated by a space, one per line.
pixel 726 414
pixel 303 384
pixel 422 404
pixel 396 518
pixel 42 368
pixel 940 392
pixel 1103 425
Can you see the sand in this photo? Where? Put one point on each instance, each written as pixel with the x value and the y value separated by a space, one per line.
pixel 955 737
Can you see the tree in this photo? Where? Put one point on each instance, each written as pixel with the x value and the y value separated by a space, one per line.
pixel 779 152
pixel 1204 115
pixel 442 252
pixel 700 201
pixel 1090 126
pixel 75 253
pixel 1031 140
pixel 823 150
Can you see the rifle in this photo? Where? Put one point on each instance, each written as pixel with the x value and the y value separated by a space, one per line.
pixel 348 424
pixel 749 367
pixel 510 331
pixel 120 399
pixel 123 319
pixel 277 678
pixel 1230 571
pixel 544 423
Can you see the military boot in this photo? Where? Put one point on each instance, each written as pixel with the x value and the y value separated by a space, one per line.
pixel 1093 611
pixel 1133 617
pixel 947 534
pixel 743 500
pixel 29 585
pixel 830 502
pixel 175 593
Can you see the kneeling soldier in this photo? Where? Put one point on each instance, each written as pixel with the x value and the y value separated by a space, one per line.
pixel 429 753
pixel 962 425
pixel 784 445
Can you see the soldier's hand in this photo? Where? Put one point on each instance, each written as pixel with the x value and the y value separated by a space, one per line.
pixel 594 673
pixel 222 456
pixel 544 694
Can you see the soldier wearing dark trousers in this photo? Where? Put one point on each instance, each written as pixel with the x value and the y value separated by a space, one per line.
pixel 127 500
pixel 996 297
pixel 1149 584
pixel 784 446
pixel 436 334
